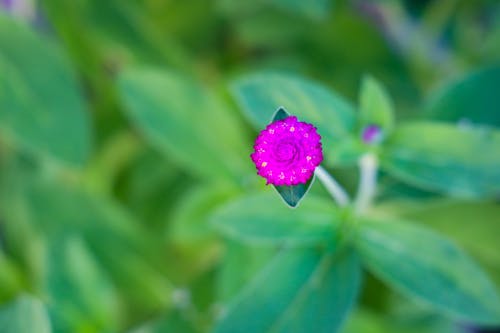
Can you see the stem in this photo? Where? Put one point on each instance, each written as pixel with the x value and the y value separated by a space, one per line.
pixel 368 165
pixel 331 185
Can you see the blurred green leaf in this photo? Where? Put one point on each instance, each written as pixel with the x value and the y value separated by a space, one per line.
pixel 83 299
pixel 300 290
pixel 232 275
pixel 186 121
pixel 473 98
pixel 446 158
pixel 261 94
pixel 24 315
pixel 365 321
pixel 190 218
pixel 375 105
pixel 174 322
pixel 56 209
pixel 312 8
pixel 429 268
pixel 474 225
pixel 41 106
pixel 262 219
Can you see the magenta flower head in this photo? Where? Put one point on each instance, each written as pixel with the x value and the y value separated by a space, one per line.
pixel 287 151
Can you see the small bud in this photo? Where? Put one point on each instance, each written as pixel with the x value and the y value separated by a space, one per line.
pixel 372 134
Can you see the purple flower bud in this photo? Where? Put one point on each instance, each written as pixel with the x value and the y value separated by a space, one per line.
pixel 287 151
pixel 372 134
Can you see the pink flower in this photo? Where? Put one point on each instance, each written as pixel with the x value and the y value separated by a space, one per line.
pixel 287 151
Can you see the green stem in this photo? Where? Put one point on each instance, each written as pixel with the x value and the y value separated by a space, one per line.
pixel 368 165
pixel 331 185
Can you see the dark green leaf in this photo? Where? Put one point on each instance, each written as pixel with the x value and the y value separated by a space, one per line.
pixel 429 268
pixel 262 219
pixel 261 94
pixel 300 290
pixel 41 106
pixel 25 315
pixel 473 98
pixel 280 114
pixel 187 122
pixel 375 105
pixel 292 195
pixel 461 161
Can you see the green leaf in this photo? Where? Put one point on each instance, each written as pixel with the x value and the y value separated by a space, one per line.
pixel 429 268
pixel 187 122
pixel 473 225
pixel 81 293
pixel 55 209
pixel 189 225
pixel 461 161
pixel 25 315
pixel 262 219
pixel 300 290
pixel 473 98
pixel 375 105
pixel 261 94
pixel 292 195
pixel 365 321
pixel 313 8
pixel 176 321
pixel 41 106
pixel 232 275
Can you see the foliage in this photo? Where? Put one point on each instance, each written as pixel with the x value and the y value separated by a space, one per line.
pixel 129 203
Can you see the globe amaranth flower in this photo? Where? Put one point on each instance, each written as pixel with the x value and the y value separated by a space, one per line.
pixel 287 151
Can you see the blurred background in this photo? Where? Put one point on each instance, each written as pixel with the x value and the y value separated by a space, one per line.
pixel 104 207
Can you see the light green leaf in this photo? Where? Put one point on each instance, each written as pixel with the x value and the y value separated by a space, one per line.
pixel 261 94
pixel 263 219
pixel 25 315
pixel 187 122
pixel 461 161
pixel 375 105
pixel 300 290
pixel 81 293
pixel 41 106
pixel 473 98
pixel 429 268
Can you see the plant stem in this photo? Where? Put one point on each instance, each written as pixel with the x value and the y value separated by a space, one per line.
pixel 331 185
pixel 368 165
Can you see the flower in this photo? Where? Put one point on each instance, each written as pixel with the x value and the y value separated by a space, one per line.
pixel 287 151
